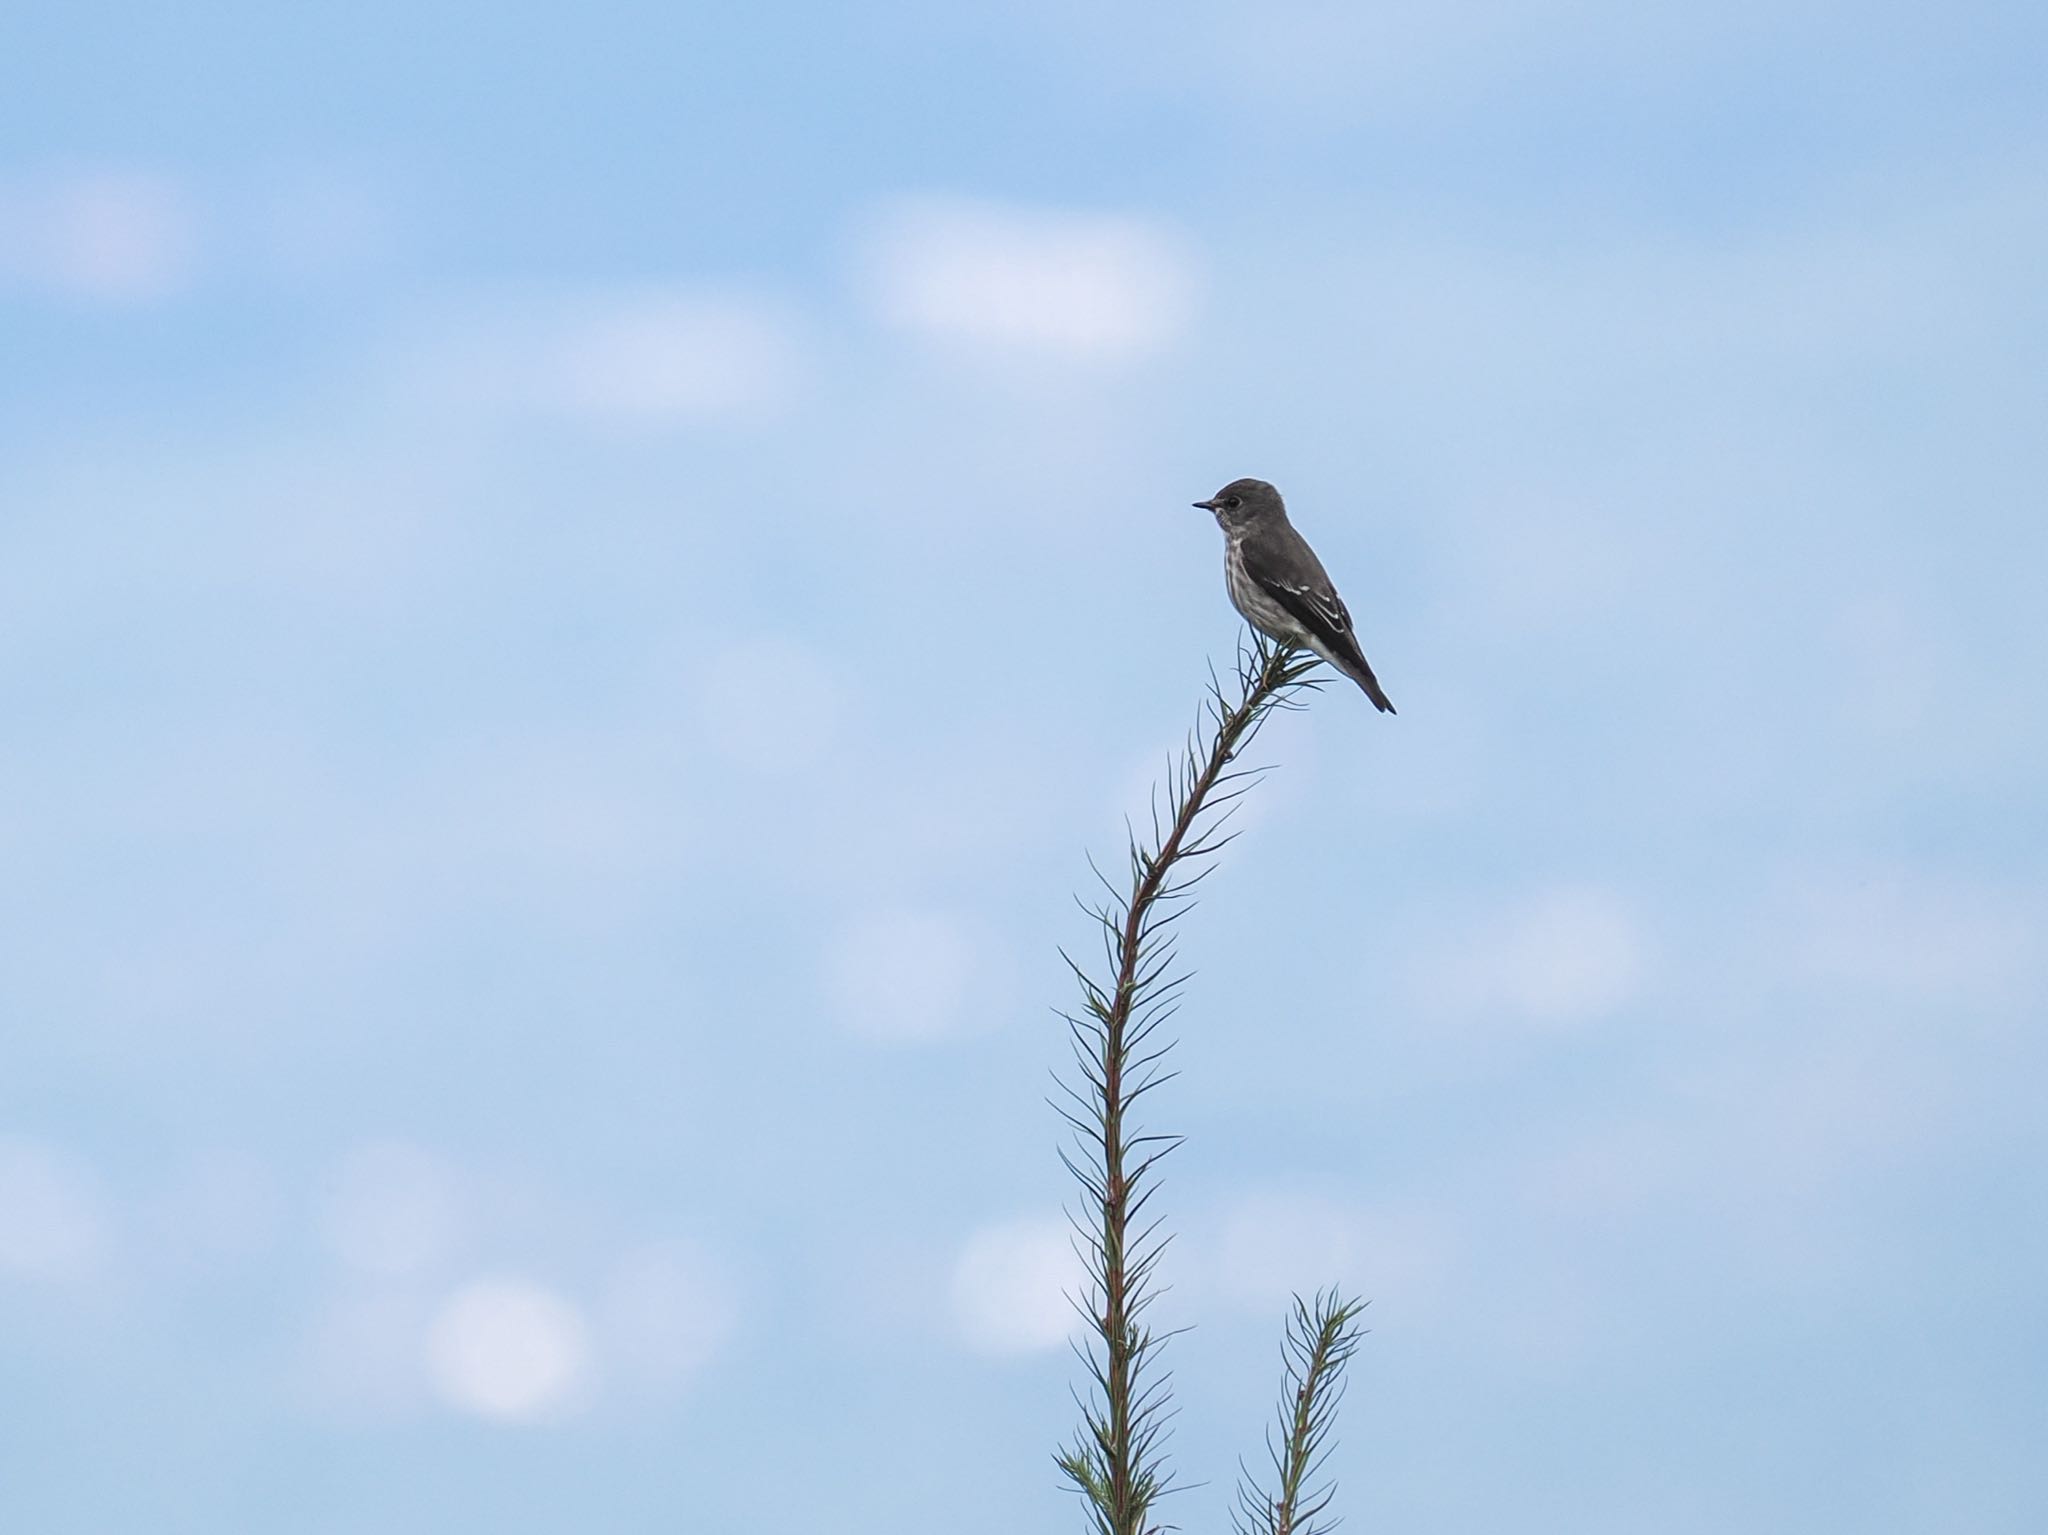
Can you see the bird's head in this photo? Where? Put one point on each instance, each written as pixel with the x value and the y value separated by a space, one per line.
pixel 1244 503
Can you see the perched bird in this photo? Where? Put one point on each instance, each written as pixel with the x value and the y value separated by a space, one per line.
pixel 1280 586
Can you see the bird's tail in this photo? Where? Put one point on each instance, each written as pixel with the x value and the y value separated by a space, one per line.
pixel 1360 672
pixel 1351 661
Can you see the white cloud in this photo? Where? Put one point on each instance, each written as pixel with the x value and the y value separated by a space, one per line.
pixel 509 1349
pixel 500 1344
pixel 666 1312
pixel 904 976
pixel 1565 956
pixel 111 237
pixel 1023 282
pixel 664 354
pixel 1570 954
pixel 1010 1286
pixel 392 1210
pixel 53 1221
pixel 640 357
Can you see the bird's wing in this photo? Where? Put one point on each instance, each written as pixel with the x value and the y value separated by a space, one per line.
pixel 1288 571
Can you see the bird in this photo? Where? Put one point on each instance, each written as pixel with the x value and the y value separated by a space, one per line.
pixel 1278 584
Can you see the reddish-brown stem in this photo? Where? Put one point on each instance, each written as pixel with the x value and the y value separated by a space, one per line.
pixel 1127 1490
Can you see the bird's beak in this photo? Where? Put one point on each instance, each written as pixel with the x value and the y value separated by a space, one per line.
pixel 1207 506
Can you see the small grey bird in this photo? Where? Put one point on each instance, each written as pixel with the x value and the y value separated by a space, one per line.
pixel 1280 586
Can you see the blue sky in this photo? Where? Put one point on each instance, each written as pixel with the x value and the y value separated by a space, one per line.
pixel 575 585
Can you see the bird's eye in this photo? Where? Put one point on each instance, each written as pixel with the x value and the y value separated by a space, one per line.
pixel 1232 502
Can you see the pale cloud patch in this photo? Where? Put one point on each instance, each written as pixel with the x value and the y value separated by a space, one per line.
pixel 54 1224
pixel 1776 1160
pixel 675 354
pixel 509 1349
pixel 1029 283
pixel 576 811
pixel 1337 62
pixel 1562 958
pixel 403 1330
pixel 1267 1246
pixel 106 237
pixel 666 1310
pixel 1011 1283
pixel 905 976
pixel 648 357
pixel 979 795
pixel 392 1209
pixel 1147 800
pixel 1786 1135
pixel 1328 62
pixel 1903 933
pixel 1273 1246
pixel 1549 563
pixel 1145 790
pixel 363 1351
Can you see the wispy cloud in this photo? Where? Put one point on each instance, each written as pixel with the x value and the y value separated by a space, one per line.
pixel 1020 283
pixel 1267 1244
pixel 393 1209
pixel 508 1348
pixel 666 1310
pixel 54 1224
pixel 361 1351
pixel 104 237
pixel 444 1296
pixel 905 975
pixel 1559 958
pixel 1011 1283
pixel 652 356
pixel 1913 936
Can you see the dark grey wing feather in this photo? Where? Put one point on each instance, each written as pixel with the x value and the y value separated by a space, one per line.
pixel 1288 571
